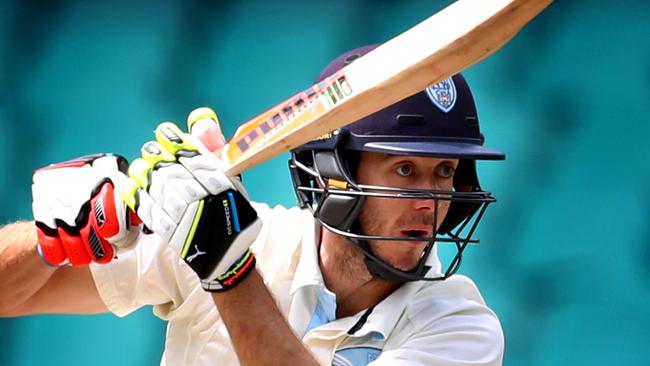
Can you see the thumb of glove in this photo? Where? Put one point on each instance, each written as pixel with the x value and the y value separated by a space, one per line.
pixel 203 124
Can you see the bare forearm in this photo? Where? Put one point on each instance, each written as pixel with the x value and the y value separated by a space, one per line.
pixel 259 332
pixel 22 273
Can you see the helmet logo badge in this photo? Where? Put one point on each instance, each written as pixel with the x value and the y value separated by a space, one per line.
pixel 443 94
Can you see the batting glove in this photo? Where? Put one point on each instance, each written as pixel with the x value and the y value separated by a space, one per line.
pixel 181 193
pixel 79 218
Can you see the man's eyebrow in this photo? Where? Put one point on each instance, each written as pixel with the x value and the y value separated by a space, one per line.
pixel 387 157
pixel 390 158
pixel 397 157
pixel 394 156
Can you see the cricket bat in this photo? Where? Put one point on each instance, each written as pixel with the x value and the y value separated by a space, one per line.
pixel 446 43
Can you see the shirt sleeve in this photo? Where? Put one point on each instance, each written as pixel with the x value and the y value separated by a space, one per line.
pixel 282 232
pixel 149 273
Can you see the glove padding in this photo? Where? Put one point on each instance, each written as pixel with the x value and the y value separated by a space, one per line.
pixel 78 217
pixel 181 193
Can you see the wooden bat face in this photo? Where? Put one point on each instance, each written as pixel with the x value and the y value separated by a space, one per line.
pixel 442 45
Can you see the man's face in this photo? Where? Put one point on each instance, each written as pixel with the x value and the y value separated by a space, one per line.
pixel 403 217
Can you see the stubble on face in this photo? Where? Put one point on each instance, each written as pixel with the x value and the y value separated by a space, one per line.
pixel 350 262
pixel 404 255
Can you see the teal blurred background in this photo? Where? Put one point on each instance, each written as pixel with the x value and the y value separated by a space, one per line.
pixel 565 253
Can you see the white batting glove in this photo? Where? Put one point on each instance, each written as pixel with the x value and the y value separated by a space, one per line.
pixel 78 217
pixel 181 193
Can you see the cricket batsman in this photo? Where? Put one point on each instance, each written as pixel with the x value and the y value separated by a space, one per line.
pixel 350 276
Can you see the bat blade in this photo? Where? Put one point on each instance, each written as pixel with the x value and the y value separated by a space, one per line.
pixel 446 43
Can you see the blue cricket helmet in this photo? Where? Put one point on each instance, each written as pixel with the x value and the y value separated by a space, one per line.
pixel 440 121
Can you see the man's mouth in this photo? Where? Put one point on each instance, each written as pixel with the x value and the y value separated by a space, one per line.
pixel 416 232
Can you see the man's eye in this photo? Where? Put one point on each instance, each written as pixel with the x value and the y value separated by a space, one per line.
pixel 446 171
pixel 404 170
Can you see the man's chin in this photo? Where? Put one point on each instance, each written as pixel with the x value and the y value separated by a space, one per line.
pixel 403 255
pixel 406 267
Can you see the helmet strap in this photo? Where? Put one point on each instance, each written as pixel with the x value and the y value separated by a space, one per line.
pixel 378 268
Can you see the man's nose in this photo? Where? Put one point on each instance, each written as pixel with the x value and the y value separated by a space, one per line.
pixel 438 203
pixel 428 203
pixel 425 204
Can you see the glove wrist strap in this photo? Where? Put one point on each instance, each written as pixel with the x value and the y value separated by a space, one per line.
pixel 236 273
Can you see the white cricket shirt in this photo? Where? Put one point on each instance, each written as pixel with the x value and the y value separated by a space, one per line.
pixel 421 323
